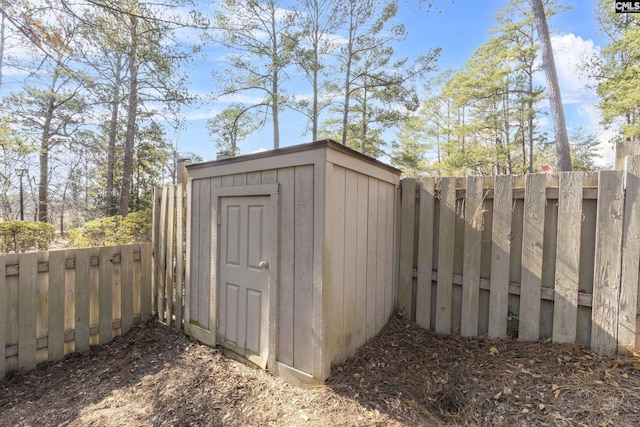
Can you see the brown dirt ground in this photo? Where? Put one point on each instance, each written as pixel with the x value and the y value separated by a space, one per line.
pixel 404 376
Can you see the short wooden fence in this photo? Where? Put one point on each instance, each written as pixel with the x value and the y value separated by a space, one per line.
pixel 169 239
pixel 537 256
pixel 60 302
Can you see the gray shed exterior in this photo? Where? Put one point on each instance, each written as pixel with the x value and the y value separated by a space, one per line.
pixel 330 238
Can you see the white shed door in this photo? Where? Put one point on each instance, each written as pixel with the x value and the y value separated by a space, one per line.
pixel 243 301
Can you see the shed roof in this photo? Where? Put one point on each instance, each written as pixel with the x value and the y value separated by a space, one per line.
pixel 326 143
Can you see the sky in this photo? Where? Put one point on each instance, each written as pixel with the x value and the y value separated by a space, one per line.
pixel 459 28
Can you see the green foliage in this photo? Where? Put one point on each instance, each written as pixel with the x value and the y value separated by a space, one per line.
pixel 617 71
pixel 583 148
pixel 114 230
pixel 21 236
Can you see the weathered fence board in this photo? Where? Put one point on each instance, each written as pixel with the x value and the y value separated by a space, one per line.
pixel 180 255
pixel 565 314
pixel 628 315
pixel 425 253
pixel 555 256
pixel 607 263
pixel 126 283
pixel 3 316
pixel 169 253
pixel 532 244
pixel 473 222
pixel 46 301
pixel 407 221
pixel 56 304
pixel 82 322
pixel 105 286
pixel 28 265
pixel 500 257
pixel 444 294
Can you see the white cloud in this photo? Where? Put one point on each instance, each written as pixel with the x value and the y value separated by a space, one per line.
pixel 570 52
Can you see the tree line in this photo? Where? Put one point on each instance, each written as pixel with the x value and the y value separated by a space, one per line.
pixel 103 81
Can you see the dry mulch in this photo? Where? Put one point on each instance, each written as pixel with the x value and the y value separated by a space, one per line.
pixel 404 376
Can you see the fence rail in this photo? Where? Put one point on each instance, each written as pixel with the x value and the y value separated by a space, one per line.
pixel 538 256
pixel 60 302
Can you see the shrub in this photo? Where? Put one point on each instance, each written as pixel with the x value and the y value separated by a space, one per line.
pixel 21 236
pixel 114 230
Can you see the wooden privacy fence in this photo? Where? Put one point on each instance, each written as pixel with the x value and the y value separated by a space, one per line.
pixel 169 234
pixel 59 302
pixel 536 256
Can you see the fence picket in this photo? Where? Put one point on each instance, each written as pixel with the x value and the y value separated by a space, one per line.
pixel 3 317
pixel 606 283
pixel 28 267
pixel 179 255
pixel 82 283
pixel 500 257
pixel 425 253
pixel 532 244
pixel 565 311
pixel 169 262
pixel 105 290
pixel 160 255
pixel 126 281
pixel 473 222
pixel 143 279
pixel 407 236
pixel 628 318
pixel 444 293
pixel 56 304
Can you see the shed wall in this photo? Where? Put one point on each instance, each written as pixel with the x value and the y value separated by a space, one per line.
pixel 360 263
pixel 295 252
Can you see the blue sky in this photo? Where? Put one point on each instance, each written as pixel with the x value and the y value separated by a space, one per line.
pixel 458 28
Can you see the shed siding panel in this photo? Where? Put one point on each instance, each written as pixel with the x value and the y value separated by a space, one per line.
pixel 286 290
pixel 203 267
pixel 381 264
pixel 389 257
pixel 372 237
pixel 351 257
pixel 303 286
pixel 194 277
pixel 361 258
pixel 336 210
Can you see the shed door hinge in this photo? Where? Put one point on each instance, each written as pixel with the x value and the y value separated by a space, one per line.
pixel 219 219
pixel 217 322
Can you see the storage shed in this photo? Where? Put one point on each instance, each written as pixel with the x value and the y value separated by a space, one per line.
pixel 291 255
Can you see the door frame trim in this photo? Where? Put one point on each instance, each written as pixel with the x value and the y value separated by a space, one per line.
pixel 273 192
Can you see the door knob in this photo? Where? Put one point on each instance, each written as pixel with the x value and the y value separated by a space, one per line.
pixel 264 264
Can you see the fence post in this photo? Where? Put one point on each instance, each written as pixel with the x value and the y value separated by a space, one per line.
pixel 627 316
pixel 407 235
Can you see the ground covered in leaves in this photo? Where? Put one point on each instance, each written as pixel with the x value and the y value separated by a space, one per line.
pixel 404 376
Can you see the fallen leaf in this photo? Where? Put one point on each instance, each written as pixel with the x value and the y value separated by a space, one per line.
pixel 493 351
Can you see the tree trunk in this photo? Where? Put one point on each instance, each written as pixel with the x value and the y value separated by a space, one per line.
pixel 555 98
pixel 316 64
pixel 2 42
pixel 127 167
pixel 110 202
pixel 43 186
pixel 275 112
